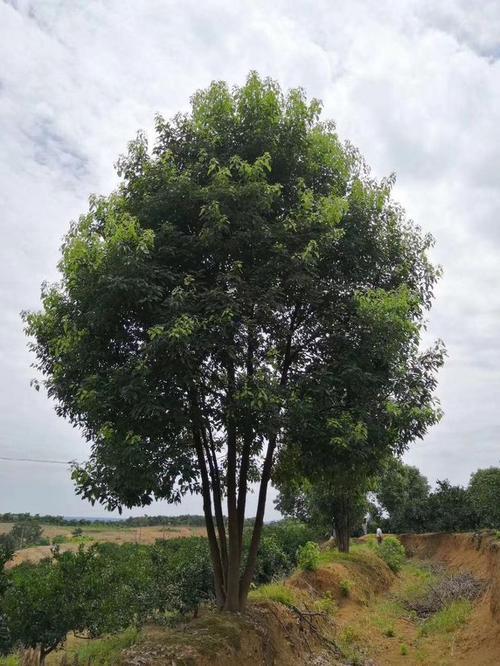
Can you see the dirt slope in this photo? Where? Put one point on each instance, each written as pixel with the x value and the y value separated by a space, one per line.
pixel 479 641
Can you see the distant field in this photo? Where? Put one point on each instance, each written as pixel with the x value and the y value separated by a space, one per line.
pixel 100 533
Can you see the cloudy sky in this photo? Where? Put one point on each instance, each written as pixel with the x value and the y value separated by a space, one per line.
pixel 415 84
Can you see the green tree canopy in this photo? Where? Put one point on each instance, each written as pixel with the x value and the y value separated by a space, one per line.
pixel 484 491
pixel 247 276
pixel 403 493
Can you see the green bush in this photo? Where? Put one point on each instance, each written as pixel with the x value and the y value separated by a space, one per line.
pixel 290 535
pixel 272 561
pixel 308 556
pixel 59 539
pixel 391 550
pixel 183 574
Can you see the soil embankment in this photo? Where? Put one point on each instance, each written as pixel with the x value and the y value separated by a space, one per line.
pixel 479 642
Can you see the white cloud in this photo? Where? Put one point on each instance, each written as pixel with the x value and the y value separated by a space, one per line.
pixel 416 85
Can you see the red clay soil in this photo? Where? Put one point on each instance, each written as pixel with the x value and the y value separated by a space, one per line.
pixel 479 641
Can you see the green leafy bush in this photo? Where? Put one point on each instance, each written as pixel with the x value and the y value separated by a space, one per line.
pixel 391 550
pixel 183 574
pixel 290 535
pixel 272 561
pixel 308 556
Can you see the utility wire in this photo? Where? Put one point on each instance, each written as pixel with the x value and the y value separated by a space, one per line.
pixel 38 460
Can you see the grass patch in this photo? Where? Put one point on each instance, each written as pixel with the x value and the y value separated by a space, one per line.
pixel 448 619
pixel 417 580
pixel 11 660
pixel 326 605
pixel 274 592
pixel 350 643
pixel 104 651
pixel 345 587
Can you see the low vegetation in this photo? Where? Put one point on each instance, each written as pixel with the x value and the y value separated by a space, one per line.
pixel 308 556
pixel 104 588
pixel 392 552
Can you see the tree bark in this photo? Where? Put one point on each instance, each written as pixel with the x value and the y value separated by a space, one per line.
pixel 343 526
pixel 215 555
pixel 248 574
pixel 249 571
pixel 217 496
pixel 234 550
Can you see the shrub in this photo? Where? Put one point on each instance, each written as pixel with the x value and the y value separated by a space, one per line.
pixel 290 535
pixel 272 561
pixel 183 574
pixel 308 556
pixel 391 550
pixel 345 587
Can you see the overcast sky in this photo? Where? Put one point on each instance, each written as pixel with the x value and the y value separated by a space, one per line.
pixel 414 84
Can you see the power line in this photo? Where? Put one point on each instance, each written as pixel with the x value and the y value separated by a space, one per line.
pixel 38 460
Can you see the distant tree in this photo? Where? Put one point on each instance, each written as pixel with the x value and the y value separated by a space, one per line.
pixel 22 535
pixel 449 509
pixel 26 533
pixel 484 491
pixel 403 492
pixel 318 504
pixel 246 280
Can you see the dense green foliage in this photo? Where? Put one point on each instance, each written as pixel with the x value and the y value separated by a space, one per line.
pixel 392 551
pixel 405 496
pixel 317 503
pixel 248 289
pixel 106 587
pixel 403 493
pixel 484 492
pixel 308 556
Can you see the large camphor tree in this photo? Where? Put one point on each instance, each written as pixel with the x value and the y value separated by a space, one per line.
pixel 243 262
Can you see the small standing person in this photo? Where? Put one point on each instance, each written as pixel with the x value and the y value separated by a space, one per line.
pixel 380 536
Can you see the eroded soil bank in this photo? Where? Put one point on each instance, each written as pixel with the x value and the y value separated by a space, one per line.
pixel 478 641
